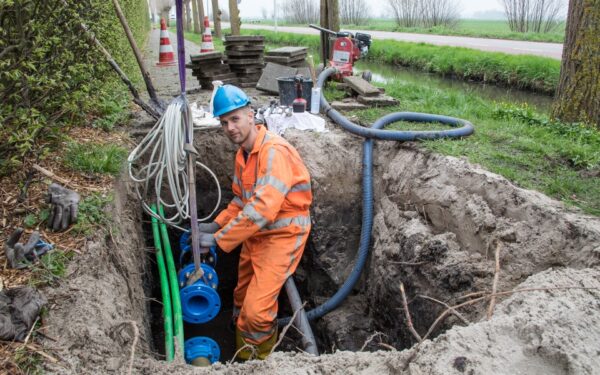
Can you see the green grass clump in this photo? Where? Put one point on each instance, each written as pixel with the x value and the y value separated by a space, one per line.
pixel 92 215
pixel 558 159
pixel 95 157
pixel 50 267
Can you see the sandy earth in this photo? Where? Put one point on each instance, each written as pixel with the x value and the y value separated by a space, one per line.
pixel 438 222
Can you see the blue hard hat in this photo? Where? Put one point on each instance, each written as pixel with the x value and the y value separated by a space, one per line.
pixel 229 98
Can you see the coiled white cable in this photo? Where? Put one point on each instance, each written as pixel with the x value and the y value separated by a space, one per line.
pixel 167 165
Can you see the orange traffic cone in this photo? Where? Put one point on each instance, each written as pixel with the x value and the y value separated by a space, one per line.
pixel 166 57
pixel 207 42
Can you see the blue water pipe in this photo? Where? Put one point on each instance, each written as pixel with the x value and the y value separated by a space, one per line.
pixel 201 346
pixel 461 128
pixel 200 301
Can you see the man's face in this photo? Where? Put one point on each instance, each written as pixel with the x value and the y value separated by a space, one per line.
pixel 239 127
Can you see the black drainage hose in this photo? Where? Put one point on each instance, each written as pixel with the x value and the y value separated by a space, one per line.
pixel 376 131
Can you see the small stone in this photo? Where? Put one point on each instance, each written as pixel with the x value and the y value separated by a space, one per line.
pixel 460 363
pixel 113 364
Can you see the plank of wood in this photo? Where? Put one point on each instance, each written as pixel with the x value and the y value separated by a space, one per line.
pixel 361 86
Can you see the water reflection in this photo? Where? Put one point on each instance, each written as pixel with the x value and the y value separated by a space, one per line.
pixel 383 73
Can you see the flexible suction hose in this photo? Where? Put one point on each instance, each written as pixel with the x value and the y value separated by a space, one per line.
pixel 376 131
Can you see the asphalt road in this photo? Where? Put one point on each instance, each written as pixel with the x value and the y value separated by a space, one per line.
pixel 515 47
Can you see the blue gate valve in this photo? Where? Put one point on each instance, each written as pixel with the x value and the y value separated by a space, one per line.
pixel 200 301
pixel 201 346
pixel 186 248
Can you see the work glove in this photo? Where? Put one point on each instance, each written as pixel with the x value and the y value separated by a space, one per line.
pixel 63 211
pixel 207 240
pixel 211 227
pixel 17 253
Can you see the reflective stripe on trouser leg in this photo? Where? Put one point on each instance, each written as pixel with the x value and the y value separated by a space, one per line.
pixel 273 259
pixel 245 273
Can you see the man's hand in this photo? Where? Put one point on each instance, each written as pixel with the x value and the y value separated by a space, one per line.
pixel 64 207
pixel 211 227
pixel 207 240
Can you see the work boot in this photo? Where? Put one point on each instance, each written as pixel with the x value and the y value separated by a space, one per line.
pixel 260 351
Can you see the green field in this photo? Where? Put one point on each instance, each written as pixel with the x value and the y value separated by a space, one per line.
pixel 465 27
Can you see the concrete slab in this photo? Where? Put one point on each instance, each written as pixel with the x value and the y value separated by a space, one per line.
pixel 379 101
pixel 348 106
pixel 268 79
pixel 244 38
pixel 288 51
pixel 361 86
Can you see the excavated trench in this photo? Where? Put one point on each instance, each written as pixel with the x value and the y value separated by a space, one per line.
pixel 438 222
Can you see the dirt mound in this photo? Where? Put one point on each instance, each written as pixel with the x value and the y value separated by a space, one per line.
pixel 437 224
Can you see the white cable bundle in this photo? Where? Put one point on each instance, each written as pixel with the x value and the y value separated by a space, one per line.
pixel 167 163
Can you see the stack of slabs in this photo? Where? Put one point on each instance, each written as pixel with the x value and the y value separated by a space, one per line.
pixel 288 56
pixel 208 67
pixel 245 57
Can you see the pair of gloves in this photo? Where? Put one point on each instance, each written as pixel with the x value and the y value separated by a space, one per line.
pixel 207 231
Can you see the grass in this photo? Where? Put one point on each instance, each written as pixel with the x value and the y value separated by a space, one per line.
pixel 92 215
pixel 95 157
pixel 520 71
pixel 560 160
pixel 111 109
pixel 464 27
pixel 50 267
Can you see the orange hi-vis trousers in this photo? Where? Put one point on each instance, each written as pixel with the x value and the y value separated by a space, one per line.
pixel 269 216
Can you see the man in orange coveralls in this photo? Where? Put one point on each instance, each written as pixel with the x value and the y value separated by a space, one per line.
pixel 269 217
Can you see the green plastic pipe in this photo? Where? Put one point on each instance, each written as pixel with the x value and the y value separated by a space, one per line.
pixel 164 290
pixel 175 297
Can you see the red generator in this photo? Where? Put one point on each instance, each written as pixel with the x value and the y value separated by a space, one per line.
pixel 347 48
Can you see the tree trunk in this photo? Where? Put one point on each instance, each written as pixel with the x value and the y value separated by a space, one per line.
pixel 188 12
pixel 234 17
pixel 195 16
pixel 330 19
pixel 578 93
pixel 200 7
pixel 216 18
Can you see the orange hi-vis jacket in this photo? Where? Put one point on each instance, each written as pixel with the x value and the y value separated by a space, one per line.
pixel 271 186
pixel 269 216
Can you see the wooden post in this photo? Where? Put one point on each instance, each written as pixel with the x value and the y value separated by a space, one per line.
pixel 200 7
pixel 234 17
pixel 137 53
pixel 330 19
pixel 216 18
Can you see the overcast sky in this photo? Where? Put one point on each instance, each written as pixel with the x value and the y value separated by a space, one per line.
pixel 252 8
